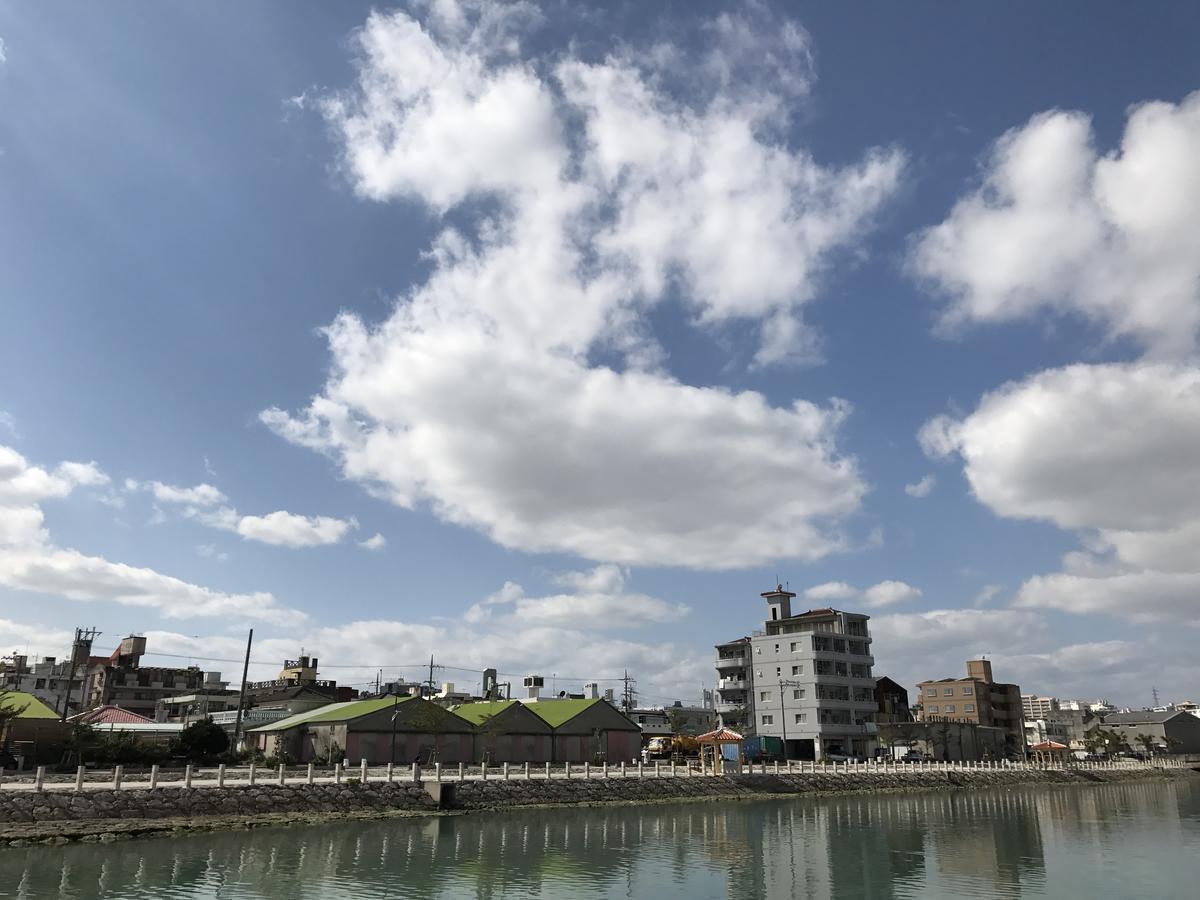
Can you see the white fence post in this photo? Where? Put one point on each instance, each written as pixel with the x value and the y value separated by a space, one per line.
pixel 587 770
pixel 79 778
pixel 604 769
pixel 39 778
pixel 657 771
pixel 437 771
pixel 672 768
pixel 221 774
pixel 187 775
pixel 506 770
pixel 118 773
pixel 416 773
pixel 483 771
pixel 252 768
pixel 547 771
pixel 153 776
pixel 526 770
pixel 462 772
pixel 310 773
pixel 362 769
pixel 337 774
pixel 282 774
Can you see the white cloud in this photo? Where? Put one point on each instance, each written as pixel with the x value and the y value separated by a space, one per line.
pixel 922 487
pixel 210 551
pixel 599 600
pixel 1110 451
pixel 375 542
pixel 289 530
pixel 481 394
pixel 30 562
pixel 889 593
pixel 1056 226
pixel 7 422
pixel 200 495
pixel 3 52
pixel 987 594
pixel 831 590
pixel 206 504
pixel 885 593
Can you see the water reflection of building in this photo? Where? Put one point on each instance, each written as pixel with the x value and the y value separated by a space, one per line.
pixel 949 844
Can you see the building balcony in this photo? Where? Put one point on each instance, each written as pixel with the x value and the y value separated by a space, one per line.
pixel 733 662
pixel 732 684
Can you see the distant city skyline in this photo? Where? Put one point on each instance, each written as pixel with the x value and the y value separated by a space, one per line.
pixel 546 338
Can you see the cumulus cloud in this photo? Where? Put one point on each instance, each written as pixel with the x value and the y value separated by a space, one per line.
pixel 483 394
pixel 921 488
pixel 205 504
pixel 376 542
pixel 1056 226
pixel 286 529
pixel 30 562
pixel 1105 450
pixel 598 599
pixel 1026 649
pixel 885 593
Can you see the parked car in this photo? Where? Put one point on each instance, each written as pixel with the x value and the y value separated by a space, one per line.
pixel 914 756
pixel 843 757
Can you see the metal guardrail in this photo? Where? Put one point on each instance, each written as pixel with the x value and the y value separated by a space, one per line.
pixel 223 777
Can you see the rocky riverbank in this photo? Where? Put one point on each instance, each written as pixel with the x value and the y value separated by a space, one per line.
pixel 107 815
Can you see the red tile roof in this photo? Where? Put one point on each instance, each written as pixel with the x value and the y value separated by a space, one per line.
pixel 108 715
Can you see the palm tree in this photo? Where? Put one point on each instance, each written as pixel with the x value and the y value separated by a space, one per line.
pixel 1147 743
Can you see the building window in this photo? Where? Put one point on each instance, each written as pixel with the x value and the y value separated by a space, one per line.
pixel 948 708
pixel 758 674
pixel 758 649
pixel 932 692
pixel 778 671
pixel 795 646
pixel 968 691
pixel 797 670
pixel 932 709
pixel 798 694
pixel 801 718
pixel 768 720
pixel 949 692
pixel 776 648
pixel 968 707
pixel 764 695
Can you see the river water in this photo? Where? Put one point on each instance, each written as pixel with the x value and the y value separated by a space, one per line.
pixel 1115 840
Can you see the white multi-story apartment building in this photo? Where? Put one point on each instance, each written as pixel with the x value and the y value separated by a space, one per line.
pixel 1035 707
pixel 804 678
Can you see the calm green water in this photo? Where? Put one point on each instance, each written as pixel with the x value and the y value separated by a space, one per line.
pixel 1134 840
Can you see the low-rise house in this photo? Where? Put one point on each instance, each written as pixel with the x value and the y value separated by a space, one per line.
pixel 402 730
pixel 35 734
pixel 1174 731
pixel 196 707
pixel 653 722
pixel 891 700
pixel 508 731
pixel 108 715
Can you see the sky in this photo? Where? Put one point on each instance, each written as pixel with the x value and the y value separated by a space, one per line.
pixel 547 337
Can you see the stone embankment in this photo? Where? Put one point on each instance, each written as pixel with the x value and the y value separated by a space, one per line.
pixel 110 815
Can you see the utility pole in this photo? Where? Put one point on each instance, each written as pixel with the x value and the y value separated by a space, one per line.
pixel 237 728
pixel 83 641
pixel 430 675
pixel 783 712
pixel 629 692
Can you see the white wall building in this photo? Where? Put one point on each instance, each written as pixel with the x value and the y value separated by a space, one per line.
pixel 804 678
pixel 1035 707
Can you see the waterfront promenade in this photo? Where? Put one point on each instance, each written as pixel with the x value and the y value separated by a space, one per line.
pixel 222 777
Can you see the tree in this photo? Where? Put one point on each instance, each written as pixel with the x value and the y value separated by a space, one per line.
pixel 202 740
pixel 9 710
pixel 1147 743
pixel 677 720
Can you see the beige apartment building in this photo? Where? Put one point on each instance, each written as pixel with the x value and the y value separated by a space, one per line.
pixel 976 699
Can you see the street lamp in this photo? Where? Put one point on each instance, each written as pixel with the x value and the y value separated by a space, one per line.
pixel 783 711
pixel 395 712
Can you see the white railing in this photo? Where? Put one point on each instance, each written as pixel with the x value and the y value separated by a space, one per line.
pixel 221 777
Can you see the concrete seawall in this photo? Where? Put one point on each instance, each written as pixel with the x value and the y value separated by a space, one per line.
pixel 109 815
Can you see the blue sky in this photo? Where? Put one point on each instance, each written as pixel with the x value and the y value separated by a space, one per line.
pixel 637 312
